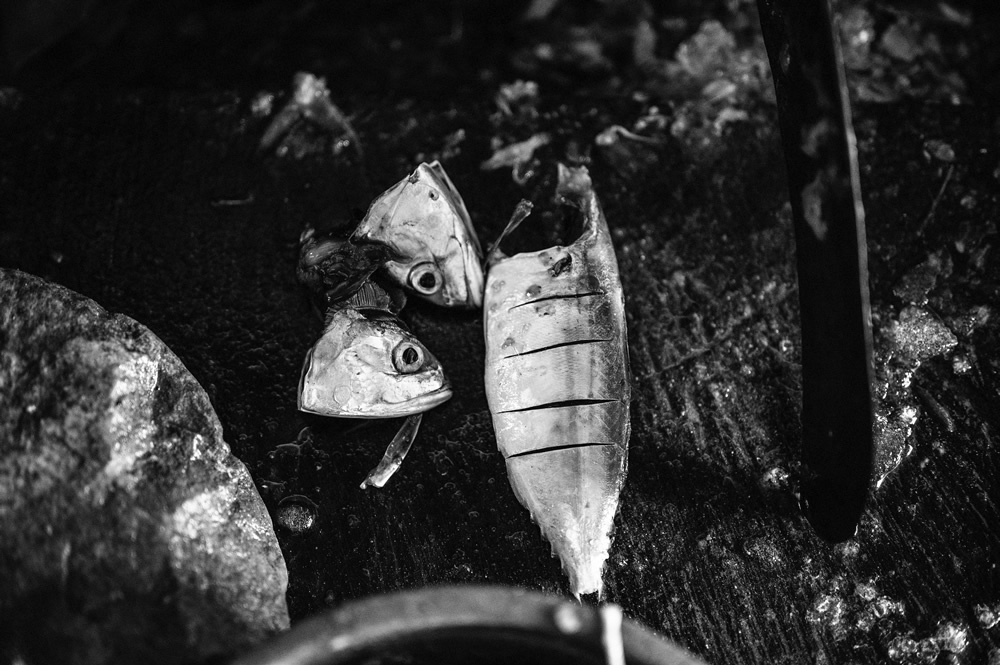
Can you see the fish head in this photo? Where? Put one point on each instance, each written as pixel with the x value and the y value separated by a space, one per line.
pixel 370 367
pixel 424 222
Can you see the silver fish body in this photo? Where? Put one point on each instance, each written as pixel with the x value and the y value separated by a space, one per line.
pixel 425 223
pixel 558 385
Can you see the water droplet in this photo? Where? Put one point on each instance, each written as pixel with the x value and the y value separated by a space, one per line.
pixel 296 514
pixel 827 610
pixel 517 539
pixel 442 463
pixel 901 648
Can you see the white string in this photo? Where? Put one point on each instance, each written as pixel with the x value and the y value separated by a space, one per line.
pixel 611 637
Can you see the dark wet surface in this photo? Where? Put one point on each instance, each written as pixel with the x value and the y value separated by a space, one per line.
pixel 159 204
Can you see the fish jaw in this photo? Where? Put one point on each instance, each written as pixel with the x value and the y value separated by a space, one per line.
pixel 558 386
pixel 465 236
pixel 462 266
pixel 423 401
pixel 350 372
pixel 424 221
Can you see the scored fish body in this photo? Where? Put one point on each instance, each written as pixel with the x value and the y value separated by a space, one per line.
pixel 558 385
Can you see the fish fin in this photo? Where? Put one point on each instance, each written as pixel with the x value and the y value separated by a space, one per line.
pixel 394 454
pixel 576 520
pixel 371 295
pixel 521 212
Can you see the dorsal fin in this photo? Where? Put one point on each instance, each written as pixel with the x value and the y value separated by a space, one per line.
pixel 372 297
pixel 521 213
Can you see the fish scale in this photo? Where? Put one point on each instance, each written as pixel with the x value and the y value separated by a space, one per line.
pixel 558 385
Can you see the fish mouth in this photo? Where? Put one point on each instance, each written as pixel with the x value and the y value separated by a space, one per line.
pixel 410 407
pixel 425 402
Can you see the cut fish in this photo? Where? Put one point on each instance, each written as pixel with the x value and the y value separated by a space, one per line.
pixel 558 384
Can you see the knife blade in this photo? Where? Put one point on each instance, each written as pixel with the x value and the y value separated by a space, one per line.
pixel 825 191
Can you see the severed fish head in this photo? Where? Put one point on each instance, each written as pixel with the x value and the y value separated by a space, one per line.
pixel 423 221
pixel 370 367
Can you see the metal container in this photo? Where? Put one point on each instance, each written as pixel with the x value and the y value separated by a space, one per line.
pixel 470 625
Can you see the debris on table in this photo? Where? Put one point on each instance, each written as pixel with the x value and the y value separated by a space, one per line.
pixel 310 102
pixel 628 152
pixel 452 144
pixel 519 98
pixel 895 54
pixel 905 343
pixel 519 157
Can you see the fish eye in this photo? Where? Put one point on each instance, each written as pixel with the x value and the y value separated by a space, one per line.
pixel 407 358
pixel 426 279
